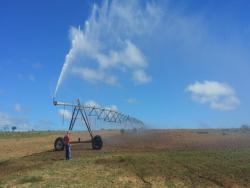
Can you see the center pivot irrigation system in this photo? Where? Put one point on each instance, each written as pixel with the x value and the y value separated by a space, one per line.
pixel 103 114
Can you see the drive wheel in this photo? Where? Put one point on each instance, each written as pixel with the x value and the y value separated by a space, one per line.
pixel 59 144
pixel 97 142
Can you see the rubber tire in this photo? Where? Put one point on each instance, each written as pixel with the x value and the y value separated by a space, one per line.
pixel 59 144
pixel 97 142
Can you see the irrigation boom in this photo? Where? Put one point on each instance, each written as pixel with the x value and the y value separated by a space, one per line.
pixel 105 114
pixel 100 113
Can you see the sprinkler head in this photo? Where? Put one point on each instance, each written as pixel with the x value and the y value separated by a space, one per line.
pixel 54 102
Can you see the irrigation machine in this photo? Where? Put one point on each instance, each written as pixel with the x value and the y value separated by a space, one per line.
pixel 84 112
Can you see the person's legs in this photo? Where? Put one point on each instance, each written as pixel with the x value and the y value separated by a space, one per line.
pixel 67 151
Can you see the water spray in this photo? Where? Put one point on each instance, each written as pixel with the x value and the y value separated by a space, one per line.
pixel 62 74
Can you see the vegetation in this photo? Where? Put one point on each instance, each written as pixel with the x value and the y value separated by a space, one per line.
pixel 161 169
pixel 117 168
pixel 13 128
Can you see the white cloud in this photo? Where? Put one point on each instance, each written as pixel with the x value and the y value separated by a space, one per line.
pixel 140 77
pixel 92 103
pixel 6 122
pixel 29 77
pixel 106 42
pixel 228 103
pixel 37 65
pixel 45 124
pixel 132 101
pixel 112 107
pixel 66 114
pixel 217 95
pixel 95 76
pixel 20 109
pixel 129 56
pixel 132 17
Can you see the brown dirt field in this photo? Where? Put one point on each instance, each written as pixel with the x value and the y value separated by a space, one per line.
pixel 148 140
pixel 150 158
pixel 151 140
pixel 130 141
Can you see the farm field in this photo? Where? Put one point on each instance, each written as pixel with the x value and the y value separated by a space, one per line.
pixel 152 158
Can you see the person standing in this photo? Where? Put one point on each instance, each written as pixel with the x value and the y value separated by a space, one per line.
pixel 67 145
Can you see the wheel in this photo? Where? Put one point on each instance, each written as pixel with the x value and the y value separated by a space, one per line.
pixel 97 142
pixel 59 144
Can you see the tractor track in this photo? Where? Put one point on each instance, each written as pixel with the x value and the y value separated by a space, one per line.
pixel 140 176
pixel 192 171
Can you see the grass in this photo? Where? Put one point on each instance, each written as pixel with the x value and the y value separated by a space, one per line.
pixel 30 179
pixel 177 168
pixel 159 168
pixel 17 135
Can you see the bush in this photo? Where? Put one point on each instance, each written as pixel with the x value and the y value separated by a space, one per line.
pixel 245 127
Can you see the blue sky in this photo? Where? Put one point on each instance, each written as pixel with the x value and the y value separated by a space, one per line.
pixel 172 64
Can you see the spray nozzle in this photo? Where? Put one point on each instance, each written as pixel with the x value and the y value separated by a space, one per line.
pixel 54 101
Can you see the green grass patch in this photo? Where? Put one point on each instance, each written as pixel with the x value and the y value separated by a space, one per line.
pixel 30 179
pixel 174 168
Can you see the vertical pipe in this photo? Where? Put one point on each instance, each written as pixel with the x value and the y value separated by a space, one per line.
pixel 72 117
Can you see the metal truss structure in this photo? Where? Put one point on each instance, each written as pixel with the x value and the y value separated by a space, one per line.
pixel 104 114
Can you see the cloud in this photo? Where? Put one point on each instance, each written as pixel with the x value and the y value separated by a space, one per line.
pixel 6 122
pixel 106 45
pixel 37 66
pixel 29 77
pixel 92 103
pixel 129 56
pixel 20 109
pixel 45 124
pixel 140 77
pixel 132 101
pixel 95 76
pixel 66 114
pixel 217 95
pixel 112 107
